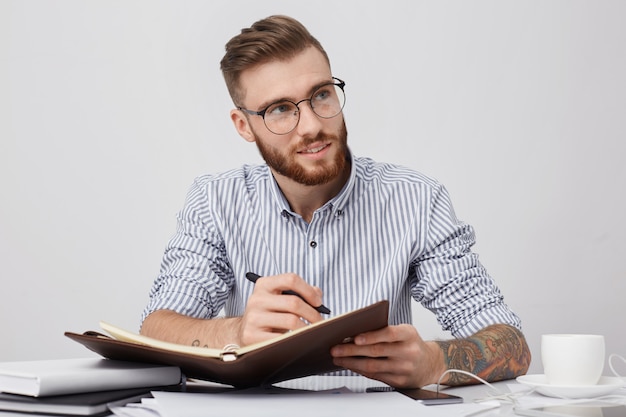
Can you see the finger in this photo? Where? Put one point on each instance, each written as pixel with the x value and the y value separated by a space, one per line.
pixel 298 308
pixel 378 350
pixel 388 334
pixel 260 327
pixel 391 372
pixel 291 282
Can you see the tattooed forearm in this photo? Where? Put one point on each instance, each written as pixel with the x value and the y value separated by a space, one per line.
pixel 495 353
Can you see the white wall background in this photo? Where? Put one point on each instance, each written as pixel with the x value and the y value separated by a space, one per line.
pixel 109 109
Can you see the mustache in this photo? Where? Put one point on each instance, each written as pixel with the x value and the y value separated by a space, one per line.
pixel 322 137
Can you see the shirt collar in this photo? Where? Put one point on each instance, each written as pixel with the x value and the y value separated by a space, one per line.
pixel 336 204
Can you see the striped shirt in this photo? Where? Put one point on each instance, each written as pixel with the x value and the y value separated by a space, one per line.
pixel 391 233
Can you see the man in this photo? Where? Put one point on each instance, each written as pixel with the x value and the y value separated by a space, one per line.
pixel 334 228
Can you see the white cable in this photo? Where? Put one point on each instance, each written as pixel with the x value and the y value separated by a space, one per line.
pixel 465 373
pixel 498 395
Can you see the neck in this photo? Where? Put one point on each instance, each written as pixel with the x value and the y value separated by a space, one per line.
pixel 305 199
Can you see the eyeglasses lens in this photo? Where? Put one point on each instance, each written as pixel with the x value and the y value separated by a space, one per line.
pixel 327 102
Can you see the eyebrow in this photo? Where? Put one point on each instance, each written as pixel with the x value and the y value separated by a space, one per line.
pixel 267 103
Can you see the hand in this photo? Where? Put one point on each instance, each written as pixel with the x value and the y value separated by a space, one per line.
pixel 270 313
pixel 395 355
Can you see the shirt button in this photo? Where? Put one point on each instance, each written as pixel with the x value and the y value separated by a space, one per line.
pixel 313 244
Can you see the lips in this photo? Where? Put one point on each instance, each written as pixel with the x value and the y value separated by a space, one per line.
pixel 313 149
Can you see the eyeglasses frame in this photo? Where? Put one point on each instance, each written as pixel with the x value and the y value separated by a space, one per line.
pixel 339 83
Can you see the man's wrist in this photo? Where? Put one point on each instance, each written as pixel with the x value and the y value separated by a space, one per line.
pixel 438 361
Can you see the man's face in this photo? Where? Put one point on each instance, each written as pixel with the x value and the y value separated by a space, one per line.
pixel 315 152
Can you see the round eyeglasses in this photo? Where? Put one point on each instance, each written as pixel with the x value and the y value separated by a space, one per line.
pixel 283 116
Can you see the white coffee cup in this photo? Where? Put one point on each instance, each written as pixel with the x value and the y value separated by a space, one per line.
pixel 572 359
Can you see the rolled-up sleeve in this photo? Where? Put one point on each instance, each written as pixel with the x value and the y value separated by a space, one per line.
pixel 195 277
pixel 451 281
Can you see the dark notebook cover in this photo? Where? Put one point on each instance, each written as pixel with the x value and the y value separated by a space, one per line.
pixel 305 353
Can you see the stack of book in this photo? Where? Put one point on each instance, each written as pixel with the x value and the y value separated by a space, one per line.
pixel 78 387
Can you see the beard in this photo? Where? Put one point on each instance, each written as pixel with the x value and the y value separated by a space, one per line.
pixel 322 173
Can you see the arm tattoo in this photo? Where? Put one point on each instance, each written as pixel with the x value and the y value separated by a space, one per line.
pixel 196 343
pixel 495 353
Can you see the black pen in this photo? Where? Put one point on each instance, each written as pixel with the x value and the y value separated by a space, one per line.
pixel 252 277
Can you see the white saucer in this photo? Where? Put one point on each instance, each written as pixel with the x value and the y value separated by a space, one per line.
pixel 606 385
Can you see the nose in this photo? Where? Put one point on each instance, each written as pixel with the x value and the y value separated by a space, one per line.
pixel 310 123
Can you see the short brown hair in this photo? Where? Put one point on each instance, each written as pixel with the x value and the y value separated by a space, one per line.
pixel 273 38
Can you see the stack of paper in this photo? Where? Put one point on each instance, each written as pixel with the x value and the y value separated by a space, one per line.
pixel 313 396
pixel 269 403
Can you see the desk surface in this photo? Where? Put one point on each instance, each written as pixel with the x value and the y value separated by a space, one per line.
pixel 328 396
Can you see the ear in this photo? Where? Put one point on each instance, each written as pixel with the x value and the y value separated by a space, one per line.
pixel 242 125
